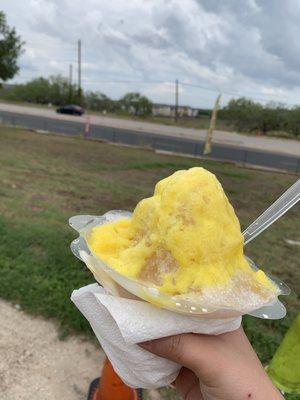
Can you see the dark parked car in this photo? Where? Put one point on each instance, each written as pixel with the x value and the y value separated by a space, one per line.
pixel 70 109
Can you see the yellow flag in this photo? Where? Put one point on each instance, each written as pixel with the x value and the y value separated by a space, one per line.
pixel 208 140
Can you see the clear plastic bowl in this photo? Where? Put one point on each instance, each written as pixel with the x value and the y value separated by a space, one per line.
pixel 120 285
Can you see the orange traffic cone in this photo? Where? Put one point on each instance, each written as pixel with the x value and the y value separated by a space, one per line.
pixel 111 387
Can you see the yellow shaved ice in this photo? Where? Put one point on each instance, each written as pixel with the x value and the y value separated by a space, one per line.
pixel 185 238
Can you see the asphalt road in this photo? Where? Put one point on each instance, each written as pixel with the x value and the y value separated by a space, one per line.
pixel 188 146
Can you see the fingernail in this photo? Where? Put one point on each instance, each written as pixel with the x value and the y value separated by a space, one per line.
pixel 146 345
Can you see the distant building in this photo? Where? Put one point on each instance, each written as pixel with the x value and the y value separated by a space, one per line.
pixel 168 110
pixel 161 110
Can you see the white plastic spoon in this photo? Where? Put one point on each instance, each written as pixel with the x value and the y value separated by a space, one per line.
pixel 275 211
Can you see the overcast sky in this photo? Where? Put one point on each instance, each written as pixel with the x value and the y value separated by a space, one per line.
pixel 246 47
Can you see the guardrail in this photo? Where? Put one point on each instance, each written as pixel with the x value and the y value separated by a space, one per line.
pixel 185 146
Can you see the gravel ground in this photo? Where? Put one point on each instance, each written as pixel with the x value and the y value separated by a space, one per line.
pixel 36 365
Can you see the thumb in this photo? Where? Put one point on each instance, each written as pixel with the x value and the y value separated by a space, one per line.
pixel 187 349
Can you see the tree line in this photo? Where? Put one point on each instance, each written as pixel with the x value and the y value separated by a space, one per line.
pixel 241 114
pixel 252 117
pixel 57 91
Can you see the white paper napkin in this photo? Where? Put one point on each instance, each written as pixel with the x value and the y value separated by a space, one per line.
pixel 120 324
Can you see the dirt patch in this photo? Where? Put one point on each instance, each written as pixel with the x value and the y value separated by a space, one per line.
pixel 36 365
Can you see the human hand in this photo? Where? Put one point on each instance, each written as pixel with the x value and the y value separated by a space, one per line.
pixel 223 367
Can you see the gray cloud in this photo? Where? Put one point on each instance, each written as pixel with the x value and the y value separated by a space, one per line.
pixel 248 46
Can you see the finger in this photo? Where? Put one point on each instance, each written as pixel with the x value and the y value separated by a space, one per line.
pixel 187 385
pixel 188 349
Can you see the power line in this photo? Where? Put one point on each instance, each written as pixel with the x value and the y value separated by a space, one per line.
pixel 91 49
pixel 126 81
pixel 213 90
pixel 264 98
pixel 45 45
pixel 230 93
pixel 256 96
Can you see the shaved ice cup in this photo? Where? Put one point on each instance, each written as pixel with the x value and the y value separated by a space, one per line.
pixel 121 286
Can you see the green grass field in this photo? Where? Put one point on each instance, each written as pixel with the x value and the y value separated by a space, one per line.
pixel 46 179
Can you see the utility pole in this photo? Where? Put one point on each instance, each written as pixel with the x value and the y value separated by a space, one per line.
pixel 79 69
pixel 70 82
pixel 176 100
pixel 70 74
pixel 212 125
